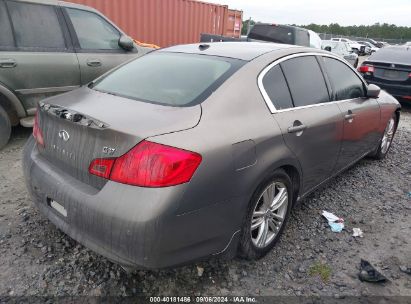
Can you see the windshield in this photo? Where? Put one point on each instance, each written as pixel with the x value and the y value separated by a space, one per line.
pixel 173 79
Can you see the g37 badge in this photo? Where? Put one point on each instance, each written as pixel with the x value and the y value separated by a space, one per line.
pixel 108 150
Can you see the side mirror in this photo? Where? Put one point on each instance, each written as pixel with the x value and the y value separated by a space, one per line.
pixel 126 43
pixel 328 48
pixel 373 91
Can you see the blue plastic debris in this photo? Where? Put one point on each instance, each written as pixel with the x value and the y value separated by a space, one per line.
pixel 336 223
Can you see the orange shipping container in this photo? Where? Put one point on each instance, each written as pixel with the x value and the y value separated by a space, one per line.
pixel 234 23
pixel 169 22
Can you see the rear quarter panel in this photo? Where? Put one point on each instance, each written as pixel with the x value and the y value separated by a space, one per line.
pixel 388 105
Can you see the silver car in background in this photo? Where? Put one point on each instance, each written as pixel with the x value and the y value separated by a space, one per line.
pixel 342 49
pixel 196 151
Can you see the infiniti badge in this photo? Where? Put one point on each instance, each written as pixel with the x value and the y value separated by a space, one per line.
pixel 63 134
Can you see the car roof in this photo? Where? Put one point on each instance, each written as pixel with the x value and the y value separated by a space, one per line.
pixel 239 50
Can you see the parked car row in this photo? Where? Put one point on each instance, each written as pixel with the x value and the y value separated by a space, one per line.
pixel 362 47
pixel 342 49
pixel 358 48
pixel 48 49
pixel 370 48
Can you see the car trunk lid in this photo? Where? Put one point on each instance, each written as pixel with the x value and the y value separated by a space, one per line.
pixel 85 124
pixel 391 71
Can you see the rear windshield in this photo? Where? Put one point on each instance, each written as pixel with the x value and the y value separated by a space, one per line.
pixel 172 79
pixel 396 54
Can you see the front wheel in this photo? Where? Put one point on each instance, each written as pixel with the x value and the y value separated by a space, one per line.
pixel 386 140
pixel 267 214
pixel 5 128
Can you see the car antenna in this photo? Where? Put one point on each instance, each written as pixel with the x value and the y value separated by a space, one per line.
pixel 203 47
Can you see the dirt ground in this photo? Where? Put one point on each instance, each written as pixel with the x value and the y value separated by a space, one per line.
pixel 309 260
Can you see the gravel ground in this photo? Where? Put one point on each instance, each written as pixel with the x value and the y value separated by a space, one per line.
pixel 37 259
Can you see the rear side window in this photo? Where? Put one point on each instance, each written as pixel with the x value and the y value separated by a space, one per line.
pixel 276 87
pixel 36 26
pixel 6 35
pixel 305 80
pixel 171 79
pixel 346 84
pixel 93 32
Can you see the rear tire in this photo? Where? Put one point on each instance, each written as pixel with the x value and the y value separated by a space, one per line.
pixel 5 128
pixel 386 140
pixel 267 215
pixel 356 64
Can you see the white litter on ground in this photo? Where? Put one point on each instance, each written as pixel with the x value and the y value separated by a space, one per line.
pixel 336 223
pixel 357 232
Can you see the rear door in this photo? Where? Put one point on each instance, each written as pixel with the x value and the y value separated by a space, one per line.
pixel 96 43
pixel 311 125
pixel 361 115
pixel 38 60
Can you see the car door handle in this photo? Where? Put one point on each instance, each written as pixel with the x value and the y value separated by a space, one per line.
pixel 94 62
pixel 296 129
pixel 349 116
pixel 8 63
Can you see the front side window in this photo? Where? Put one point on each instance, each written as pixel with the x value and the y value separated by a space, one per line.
pixel 346 84
pixel 6 35
pixel 172 79
pixel 36 26
pixel 277 89
pixel 305 80
pixel 93 31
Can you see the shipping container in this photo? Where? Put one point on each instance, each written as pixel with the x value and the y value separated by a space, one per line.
pixel 234 23
pixel 169 22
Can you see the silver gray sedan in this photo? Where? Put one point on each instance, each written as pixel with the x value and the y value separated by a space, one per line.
pixel 201 150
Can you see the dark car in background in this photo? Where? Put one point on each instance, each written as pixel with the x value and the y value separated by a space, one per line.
pixel 269 32
pixel 157 164
pixel 390 69
pixel 50 47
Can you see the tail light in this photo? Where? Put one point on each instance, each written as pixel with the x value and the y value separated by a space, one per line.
pixel 149 165
pixel 37 134
pixel 366 69
pixel 409 75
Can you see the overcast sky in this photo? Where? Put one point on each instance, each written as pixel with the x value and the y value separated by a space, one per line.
pixel 343 12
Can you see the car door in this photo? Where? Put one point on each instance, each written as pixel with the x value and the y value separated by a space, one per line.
pixel 40 62
pixel 96 43
pixel 310 124
pixel 361 114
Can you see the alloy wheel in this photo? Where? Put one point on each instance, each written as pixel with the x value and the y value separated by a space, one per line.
pixel 269 214
pixel 388 135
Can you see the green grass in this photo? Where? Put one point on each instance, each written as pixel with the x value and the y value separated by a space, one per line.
pixel 322 270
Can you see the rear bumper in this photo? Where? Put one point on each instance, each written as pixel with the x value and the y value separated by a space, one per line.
pixel 393 89
pixel 132 226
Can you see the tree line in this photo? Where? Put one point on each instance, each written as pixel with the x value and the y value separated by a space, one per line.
pixel 377 30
